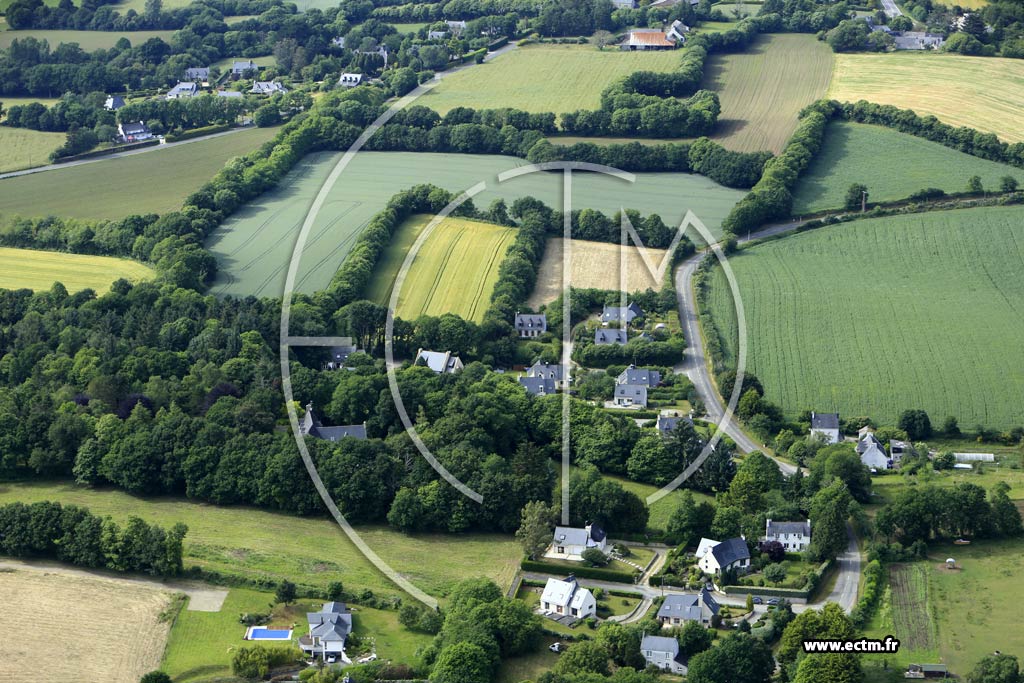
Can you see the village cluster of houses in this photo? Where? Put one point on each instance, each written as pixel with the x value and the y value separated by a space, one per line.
pixel 909 40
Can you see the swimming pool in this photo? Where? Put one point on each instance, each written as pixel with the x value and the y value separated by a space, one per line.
pixel 261 633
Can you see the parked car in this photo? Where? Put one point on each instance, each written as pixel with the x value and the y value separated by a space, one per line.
pixel 774 601
pixel 556 647
pixel 372 657
pixel 331 659
pixel 757 600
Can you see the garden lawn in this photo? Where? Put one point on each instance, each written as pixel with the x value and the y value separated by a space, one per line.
pixel 454 271
pixel 256 544
pixel 254 246
pixel 96 190
pixel 88 40
pixel 543 78
pixel 22 148
pixel 891 164
pixel 225 64
pixel 986 93
pixel 764 88
pixel 881 315
pixel 39 270
pixel 661 511
pixel 410 27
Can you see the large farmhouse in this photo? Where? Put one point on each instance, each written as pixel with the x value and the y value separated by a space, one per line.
pixel 529 325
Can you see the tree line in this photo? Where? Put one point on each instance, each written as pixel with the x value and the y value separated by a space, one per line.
pixel 77 536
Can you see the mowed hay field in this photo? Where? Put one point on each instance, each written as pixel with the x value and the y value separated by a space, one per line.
pixel 59 627
pixel 764 88
pixel 594 264
pixel 258 544
pixel 88 40
pixel 105 189
pixel 38 270
pixel 542 78
pixel 891 164
pixel 454 270
pixel 254 246
pixel 22 148
pixel 881 315
pixel 986 93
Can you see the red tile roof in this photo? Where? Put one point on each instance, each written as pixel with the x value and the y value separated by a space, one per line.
pixel 653 38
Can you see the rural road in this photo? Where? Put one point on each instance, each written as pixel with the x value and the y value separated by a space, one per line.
pixel 202 598
pixel 695 365
pixel 845 590
pixel 891 9
pixel 144 150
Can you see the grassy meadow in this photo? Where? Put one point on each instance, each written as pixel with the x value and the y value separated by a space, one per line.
pixel 454 271
pixel 953 616
pixel 22 148
pixel 225 64
pixel 254 246
pixel 38 270
pixel 410 27
pixel 97 189
pixel 764 88
pixel 542 78
pixel 122 6
pixel 986 93
pixel 88 40
pixel 891 164
pixel 260 544
pixel 880 315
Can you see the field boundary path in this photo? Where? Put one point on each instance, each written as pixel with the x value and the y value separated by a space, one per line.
pixel 201 598
pixel 117 155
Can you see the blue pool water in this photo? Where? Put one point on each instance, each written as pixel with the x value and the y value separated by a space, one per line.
pixel 270 634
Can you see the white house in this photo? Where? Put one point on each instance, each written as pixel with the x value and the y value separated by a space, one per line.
pixel 183 89
pixel 705 545
pixel 113 103
pixel 639 377
pixel 663 652
pixel 794 536
pixel 441 362
pixel 677 32
pixel 897 449
pixel 872 452
pixel 731 554
pixel 568 543
pixel 328 630
pixel 676 610
pixel 567 598
pixel 267 88
pixel 350 80
pixel 529 325
pixel 825 426
pixel 134 132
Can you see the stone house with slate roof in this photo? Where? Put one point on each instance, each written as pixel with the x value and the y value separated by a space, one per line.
pixel 552 371
pixel 795 537
pixel 639 377
pixel 663 652
pixel 310 426
pixel 826 426
pixel 618 314
pixel 630 396
pixel 529 325
pixel 604 336
pixel 872 452
pixel 538 386
pixel 441 362
pixel 199 74
pixel 731 554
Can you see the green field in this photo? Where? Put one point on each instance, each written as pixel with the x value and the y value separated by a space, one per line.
pixel 88 40
pixel 410 27
pixel 225 64
pixel 891 164
pixel 306 5
pixel 201 643
pixel 97 189
pixel 139 6
pixel 541 78
pixel 22 148
pixel 38 270
pixel 764 88
pixel 254 246
pixel 957 616
pixel 881 315
pixel 454 271
pixel 256 543
pixel 986 93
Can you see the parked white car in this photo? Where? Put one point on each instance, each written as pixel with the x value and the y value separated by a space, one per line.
pixel 372 657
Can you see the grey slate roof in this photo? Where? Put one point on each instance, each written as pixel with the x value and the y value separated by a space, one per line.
pixel 824 420
pixel 242 67
pixel 610 336
pixel 729 551
pixel 687 607
pixel 538 385
pixel 134 128
pixel 547 370
pixel 310 426
pixel 620 314
pixel 637 393
pixel 197 73
pixel 114 102
pixel 776 528
pixel 332 623
pixel 667 423
pixel 267 88
pixel 571 535
pixel 864 443
pixel 639 376
pixel 660 644
pixel 185 88
pixel 531 321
